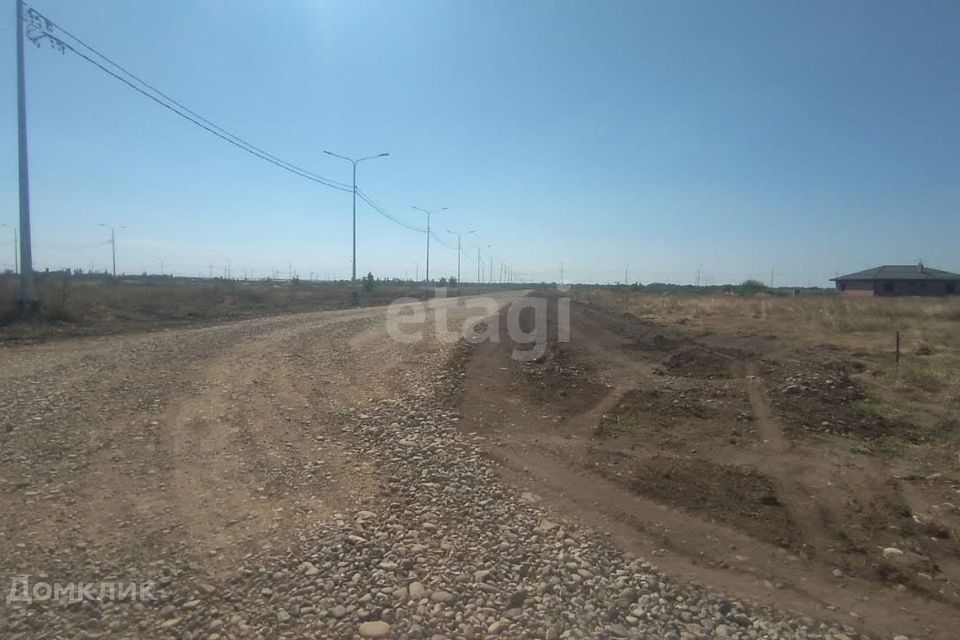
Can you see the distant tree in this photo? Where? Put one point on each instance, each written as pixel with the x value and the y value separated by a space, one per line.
pixel 443 282
pixel 369 282
pixel 453 281
pixel 752 287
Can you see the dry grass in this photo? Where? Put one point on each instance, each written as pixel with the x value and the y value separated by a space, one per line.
pixel 86 306
pixel 923 388
pixel 844 321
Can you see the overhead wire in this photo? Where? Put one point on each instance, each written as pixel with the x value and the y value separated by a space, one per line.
pixel 41 27
pixel 376 207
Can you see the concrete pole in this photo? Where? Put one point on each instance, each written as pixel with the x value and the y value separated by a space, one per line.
pixel 29 301
pixel 353 272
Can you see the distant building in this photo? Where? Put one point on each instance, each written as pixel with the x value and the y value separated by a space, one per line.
pixel 900 280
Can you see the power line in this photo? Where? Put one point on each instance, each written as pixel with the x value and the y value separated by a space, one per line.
pixel 433 234
pixel 85 245
pixel 376 207
pixel 40 27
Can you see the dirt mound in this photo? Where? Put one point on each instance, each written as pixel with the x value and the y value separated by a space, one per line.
pixel 662 402
pixel 556 377
pixel 635 333
pixel 653 341
pixel 655 408
pixel 737 496
pixel 830 402
pixel 700 362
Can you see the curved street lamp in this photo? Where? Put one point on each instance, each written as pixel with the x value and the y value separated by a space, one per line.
pixel 353 277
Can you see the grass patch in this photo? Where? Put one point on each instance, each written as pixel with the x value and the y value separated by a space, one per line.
pixel 615 426
pixel 890 446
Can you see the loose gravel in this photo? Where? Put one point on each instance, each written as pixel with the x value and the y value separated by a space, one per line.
pixel 449 553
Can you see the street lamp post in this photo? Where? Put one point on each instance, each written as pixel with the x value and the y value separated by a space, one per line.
pixel 458 251
pixel 16 250
pixel 353 277
pixel 429 213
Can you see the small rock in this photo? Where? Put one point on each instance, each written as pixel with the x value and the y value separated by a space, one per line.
pixel 376 629
pixel 444 597
pixel 530 498
pixel 416 590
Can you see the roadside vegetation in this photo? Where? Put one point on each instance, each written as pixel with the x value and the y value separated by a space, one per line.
pixel 855 334
pixel 88 305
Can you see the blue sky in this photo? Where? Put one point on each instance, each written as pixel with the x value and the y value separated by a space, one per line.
pixel 805 137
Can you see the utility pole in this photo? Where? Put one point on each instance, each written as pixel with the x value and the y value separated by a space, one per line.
pixel 429 213
pixel 113 243
pixel 28 299
pixel 161 266
pixel 459 250
pixel 353 277
pixel 16 250
pixel 478 266
pixel 626 278
pixel 561 273
pixel 771 277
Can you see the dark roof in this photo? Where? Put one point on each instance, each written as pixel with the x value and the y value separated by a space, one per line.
pixel 900 272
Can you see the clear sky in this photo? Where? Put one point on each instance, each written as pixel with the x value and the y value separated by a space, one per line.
pixel 805 137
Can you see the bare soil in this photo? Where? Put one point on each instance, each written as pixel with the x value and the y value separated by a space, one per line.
pixel 689 448
pixel 197 446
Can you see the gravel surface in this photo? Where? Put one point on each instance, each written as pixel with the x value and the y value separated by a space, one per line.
pixel 451 553
pixel 435 546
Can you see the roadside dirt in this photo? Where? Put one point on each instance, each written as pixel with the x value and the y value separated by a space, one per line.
pixel 201 447
pixel 692 451
pixel 197 446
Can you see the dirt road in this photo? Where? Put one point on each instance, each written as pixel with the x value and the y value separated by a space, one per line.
pixel 312 476
pixel 210 442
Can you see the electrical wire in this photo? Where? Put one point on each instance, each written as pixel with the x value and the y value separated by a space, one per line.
pixel 40 27
pixel 376 207
pixel 163 100
pixel 85 245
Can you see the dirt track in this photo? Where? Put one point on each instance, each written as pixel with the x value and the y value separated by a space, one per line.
pixel 675 447
pixel 201 450
pixel 209 442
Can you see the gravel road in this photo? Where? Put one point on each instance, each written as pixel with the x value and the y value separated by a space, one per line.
pixel 299 477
